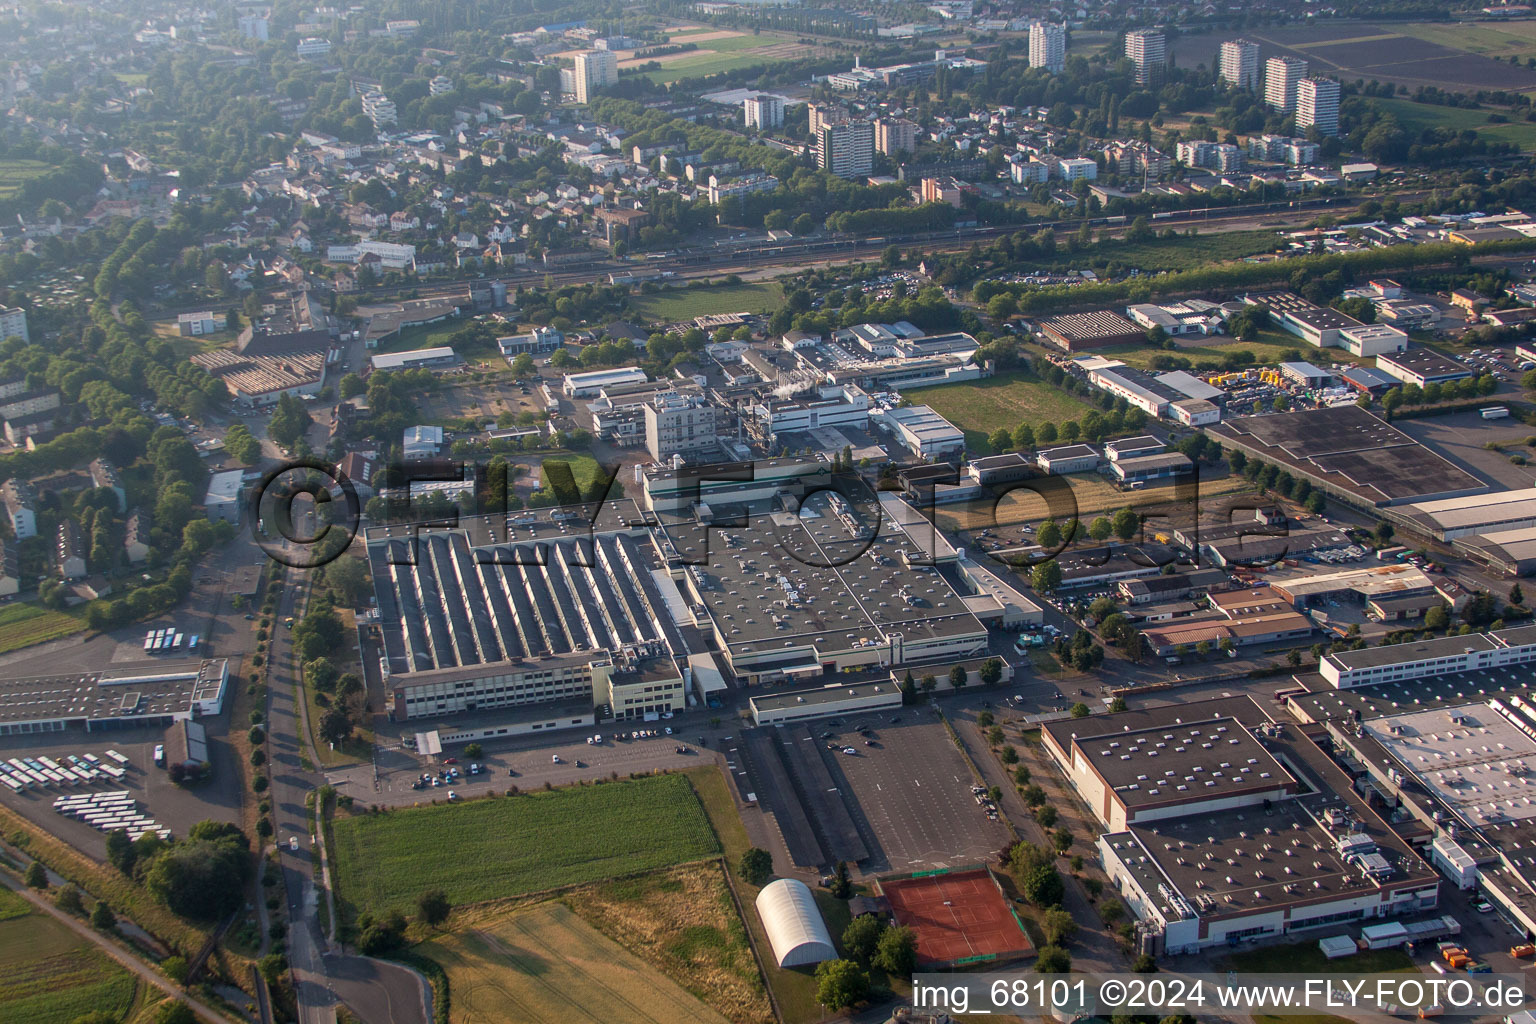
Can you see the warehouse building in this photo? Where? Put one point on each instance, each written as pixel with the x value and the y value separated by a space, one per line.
pixel 1421 366
pixel 793 924
pixel 1213 839
pixel 154 695
pixel 585 385
pixel 1453 518
pixel 1079 332
pixel 1507 551
pixel 837 699
pixel 1147 468
pixel 420 359
pixel 1072 458
pixel 924 432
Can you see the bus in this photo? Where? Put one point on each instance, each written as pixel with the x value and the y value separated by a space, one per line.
pixel 149 642
pixel 192 642
pixel 176 642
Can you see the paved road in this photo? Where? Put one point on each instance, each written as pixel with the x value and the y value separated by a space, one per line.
pixel 378 992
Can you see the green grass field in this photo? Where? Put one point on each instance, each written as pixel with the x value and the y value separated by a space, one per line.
pixel 22 625
pixel 706 63
pixel 584 471
pixel 509 846
pixel 1186 252
pixel 675 304
pixel 411 339
pixel 1307 958
pixel 979 407
pixel 16 172
pixel 1417 116
pixel 52 976
pixel 545 965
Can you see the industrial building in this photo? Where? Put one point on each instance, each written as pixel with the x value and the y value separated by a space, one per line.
pixel 1453 518
pixel 924 432
pixel 1440 656
pixel 131 697
pixel 1077 332
pixel 1221 828
pixel 1420 365
pixel 837 699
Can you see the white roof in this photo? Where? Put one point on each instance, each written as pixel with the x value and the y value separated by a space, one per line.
pixel 795 929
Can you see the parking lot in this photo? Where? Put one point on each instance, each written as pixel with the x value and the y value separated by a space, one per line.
pixel 527 762
pixel 175 807
pixel 913 790
pixel 1460 438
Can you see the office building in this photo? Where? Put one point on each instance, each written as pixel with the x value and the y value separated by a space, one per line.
pixel 1282 76
pixel 1147 48
pixel 1048 47
pixel 1317 105
pixel 763 111
pixel 895 135
pixel 1075 168
pixel 13 323
pixel 313 46
pixel 1239 61
pixel 595 69
pixel 846 148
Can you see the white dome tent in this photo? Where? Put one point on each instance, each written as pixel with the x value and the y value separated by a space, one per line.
pixel 794 925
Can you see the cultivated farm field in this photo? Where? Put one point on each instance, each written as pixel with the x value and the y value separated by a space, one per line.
pixel 500 847
pixel 51 975
pixel 22 625
pixel 545 965
pixel 1444 55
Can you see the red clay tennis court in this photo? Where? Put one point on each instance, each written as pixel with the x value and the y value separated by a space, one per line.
pixel 957 917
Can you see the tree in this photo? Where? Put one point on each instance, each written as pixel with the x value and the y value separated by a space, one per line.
pixel 175 968
pixel 37 877
pixel 985 720
pixel 1053 960
pixel 1046 576
pixel 958 676
pixel 474 751
pixel 861 938
pixel 1049 534
pixel 842 885
pixel 1100 528
pixel 1024 436
pixel 1043 886
pixel 433 908
pixel 1125 524
pixel 897 953
pixel 840 984
pixel 1046 815
pixel 175 1012
pixel 1516 595
pixel 1080 710
pixel 68 900
pixel 335 725
pixel 1058 926
pixel 756 866
pixel 1117 705
pixel 120 852
pixel 523 365
pixel 1000 440
pixel 102 918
